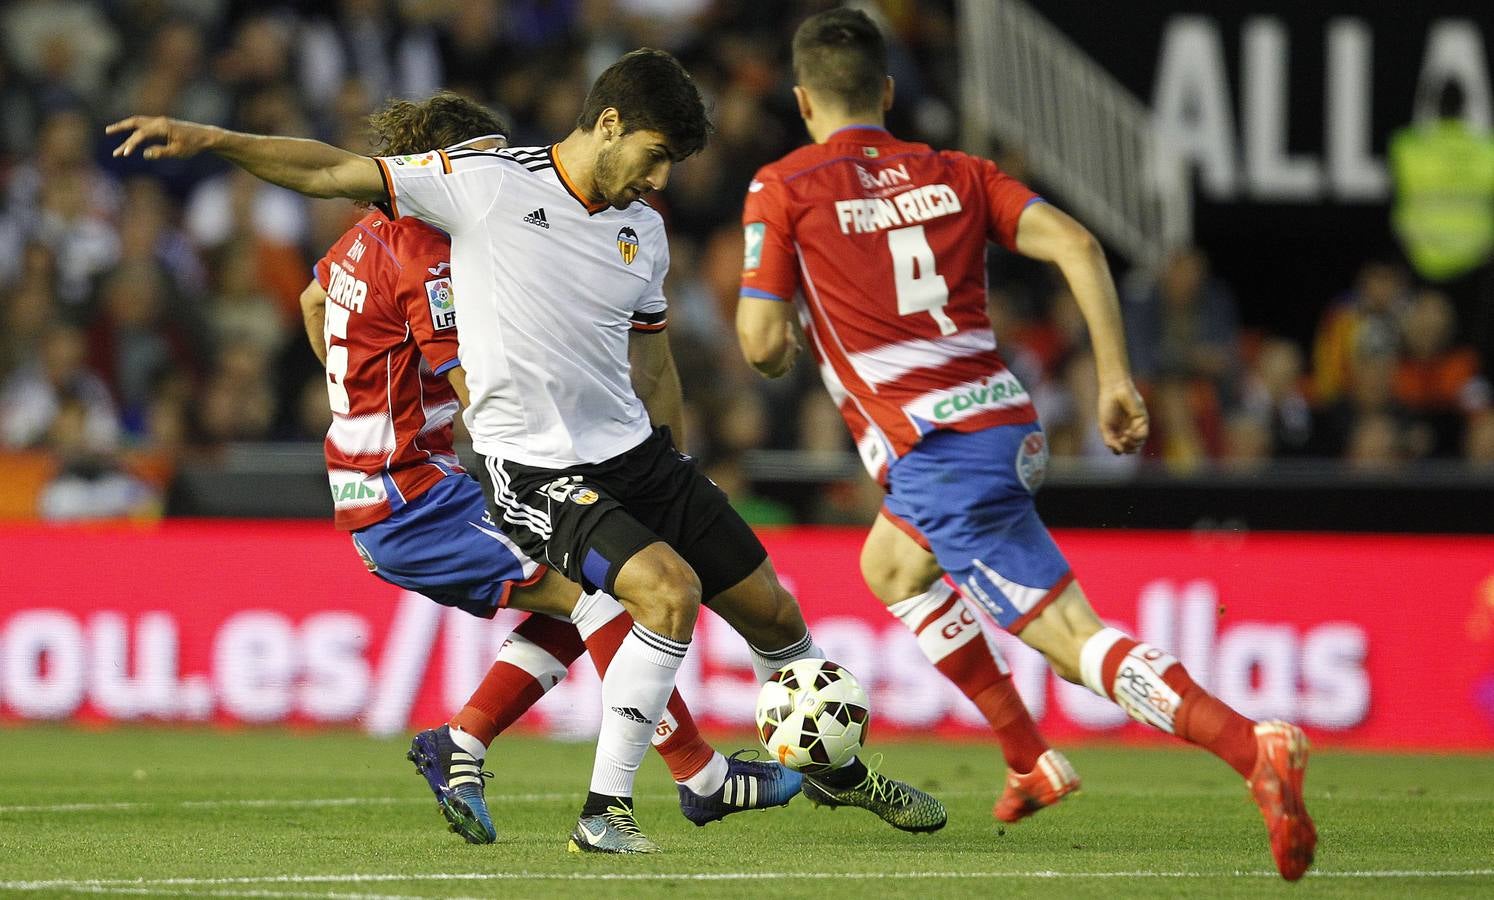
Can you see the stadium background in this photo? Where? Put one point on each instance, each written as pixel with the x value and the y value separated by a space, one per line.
pixel 153 372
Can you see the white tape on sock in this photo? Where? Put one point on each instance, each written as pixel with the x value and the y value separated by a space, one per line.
pixel 1092 657
pixel 525 654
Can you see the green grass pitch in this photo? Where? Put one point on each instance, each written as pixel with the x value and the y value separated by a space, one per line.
pixel 165 812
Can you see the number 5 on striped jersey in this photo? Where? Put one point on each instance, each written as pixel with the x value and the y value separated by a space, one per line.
pixel 337 356
pixel 920 288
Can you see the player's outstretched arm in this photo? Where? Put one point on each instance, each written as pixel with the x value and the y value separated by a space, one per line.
pixel 765 329
pixel 305 166
pixel 1045 232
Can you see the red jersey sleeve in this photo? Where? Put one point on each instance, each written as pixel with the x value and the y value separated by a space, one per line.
pixel 425 292
pixel 1006 198
pixel 769 264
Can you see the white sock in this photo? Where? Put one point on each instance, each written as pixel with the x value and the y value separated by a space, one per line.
pixel 766 662
pixel 593 610
pixel 708 780
pixel 634 694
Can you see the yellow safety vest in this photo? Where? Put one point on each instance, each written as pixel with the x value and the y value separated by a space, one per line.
pixel 1444 200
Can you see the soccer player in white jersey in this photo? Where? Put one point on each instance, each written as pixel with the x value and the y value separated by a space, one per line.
pixel 885 241
pixel 379 316
pixel 558 273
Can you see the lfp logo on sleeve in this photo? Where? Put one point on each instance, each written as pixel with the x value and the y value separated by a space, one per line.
pixel 443 305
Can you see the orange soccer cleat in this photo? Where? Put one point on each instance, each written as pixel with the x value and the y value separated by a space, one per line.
pixel 1052 779
pixel 1276 783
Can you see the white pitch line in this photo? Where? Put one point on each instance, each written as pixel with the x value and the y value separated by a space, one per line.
pixel 136 885
pixel 219 892
pixel 280 803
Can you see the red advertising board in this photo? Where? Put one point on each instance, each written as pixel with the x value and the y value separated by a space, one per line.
pixel 1368 641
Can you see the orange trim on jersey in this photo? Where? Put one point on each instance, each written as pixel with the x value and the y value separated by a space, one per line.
pixel 508 587
pixel 570 186
pixel 906 527
pixel 388 186
pixel 651 327
pixel 445 162
pixel 1027 617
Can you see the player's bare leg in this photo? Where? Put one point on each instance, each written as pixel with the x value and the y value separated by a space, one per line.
pixel 766 614
pixel 1154 688
pixel 908 579
pixel 768 618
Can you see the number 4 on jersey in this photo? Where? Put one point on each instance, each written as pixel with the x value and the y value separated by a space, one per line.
pixel 920 288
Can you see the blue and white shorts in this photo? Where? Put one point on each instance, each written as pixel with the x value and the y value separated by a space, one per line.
pixel 968 498
pixel 444 545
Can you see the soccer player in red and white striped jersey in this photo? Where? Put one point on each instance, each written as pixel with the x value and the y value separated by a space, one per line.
pixel 883 241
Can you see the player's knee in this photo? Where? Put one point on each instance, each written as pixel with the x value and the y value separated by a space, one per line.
pixel 679 603
pixel 669 599
pixel 892 582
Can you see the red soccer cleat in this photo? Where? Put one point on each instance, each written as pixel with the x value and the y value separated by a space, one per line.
pixel 1276 783
pixel 1052 779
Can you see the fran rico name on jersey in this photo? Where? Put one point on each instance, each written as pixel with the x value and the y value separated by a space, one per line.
pixel 917 205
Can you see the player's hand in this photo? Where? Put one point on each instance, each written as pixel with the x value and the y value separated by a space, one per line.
pixel 174 137
pixel 1123 419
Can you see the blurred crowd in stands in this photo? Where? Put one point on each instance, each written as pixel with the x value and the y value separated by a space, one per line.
pixel 150 311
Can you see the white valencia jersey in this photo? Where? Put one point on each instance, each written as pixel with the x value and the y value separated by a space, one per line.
pixel 547 290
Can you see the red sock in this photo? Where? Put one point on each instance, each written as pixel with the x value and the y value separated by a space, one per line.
pixel 1205 720
pixel 677 738
pixel 950 636
pixel 513 683
pixel 1198 717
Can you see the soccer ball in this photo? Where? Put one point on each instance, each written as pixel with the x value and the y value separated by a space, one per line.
pixel 812 716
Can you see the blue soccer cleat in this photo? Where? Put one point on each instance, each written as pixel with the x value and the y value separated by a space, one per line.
pixel 748 785
pixel 456 778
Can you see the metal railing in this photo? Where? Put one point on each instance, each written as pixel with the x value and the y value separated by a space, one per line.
pixel 1085 136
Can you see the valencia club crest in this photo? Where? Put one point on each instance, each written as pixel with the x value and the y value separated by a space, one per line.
pixel 627 244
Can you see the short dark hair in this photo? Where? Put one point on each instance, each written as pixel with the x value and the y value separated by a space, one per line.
pixel 651 91
pixel 403 127
pixel 841 52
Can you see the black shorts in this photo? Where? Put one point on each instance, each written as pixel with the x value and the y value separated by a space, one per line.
pixel 587 521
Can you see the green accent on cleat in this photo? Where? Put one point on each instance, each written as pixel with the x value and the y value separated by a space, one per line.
pixel 898 804
pixel 615 831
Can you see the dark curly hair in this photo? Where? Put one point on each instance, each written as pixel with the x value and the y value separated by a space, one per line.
pixel 651 91
pixel 403 127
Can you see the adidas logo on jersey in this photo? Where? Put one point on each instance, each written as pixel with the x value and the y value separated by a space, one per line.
pixel 538 218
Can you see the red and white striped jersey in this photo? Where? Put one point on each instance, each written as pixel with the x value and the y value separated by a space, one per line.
pixel 885 241
pixel 391 337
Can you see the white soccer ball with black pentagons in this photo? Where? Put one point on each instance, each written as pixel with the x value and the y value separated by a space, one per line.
pixel 812 715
